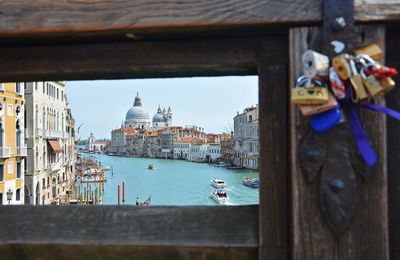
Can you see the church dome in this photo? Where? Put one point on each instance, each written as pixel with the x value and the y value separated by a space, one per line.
pixel 159 117
pixel 136 114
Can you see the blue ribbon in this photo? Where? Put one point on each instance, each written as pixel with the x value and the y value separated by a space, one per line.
pixel 361 139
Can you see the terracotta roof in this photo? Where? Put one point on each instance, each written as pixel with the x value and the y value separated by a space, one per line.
pixel 189 140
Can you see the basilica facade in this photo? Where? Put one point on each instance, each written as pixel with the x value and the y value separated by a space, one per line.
pixel 137 118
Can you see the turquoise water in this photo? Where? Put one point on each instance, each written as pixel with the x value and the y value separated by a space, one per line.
pixel 173 182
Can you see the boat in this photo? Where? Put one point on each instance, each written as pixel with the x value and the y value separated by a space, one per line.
pixel 251 182
pixel 218 183
pixel 220 196
pixel 150 167
pixel 93 178
pixel 235 168
pixel 145 203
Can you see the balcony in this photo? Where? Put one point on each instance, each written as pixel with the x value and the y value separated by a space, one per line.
pixel 38 132
pixel 22 151
pixel 54 134
pixel 4 152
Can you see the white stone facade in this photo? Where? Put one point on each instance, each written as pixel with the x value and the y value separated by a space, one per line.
pixel 51 152
pixel 246 137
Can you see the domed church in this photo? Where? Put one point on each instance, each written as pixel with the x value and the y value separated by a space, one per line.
pixel 162 118
pixel 136 117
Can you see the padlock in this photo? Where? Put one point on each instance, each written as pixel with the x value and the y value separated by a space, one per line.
pixel 372 85
pixel 341 65
pixel 315 64
pixel 359 92
pixel 324 121
pixel 316 94
pixel 337 86
pixel 308 110
pixel 387 84
pixel 373 50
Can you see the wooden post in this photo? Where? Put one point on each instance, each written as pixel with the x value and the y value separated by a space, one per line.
pixel 367 235
pixel 118 194
pixel 123 192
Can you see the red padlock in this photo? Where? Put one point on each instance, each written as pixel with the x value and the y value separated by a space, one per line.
pixel 382 72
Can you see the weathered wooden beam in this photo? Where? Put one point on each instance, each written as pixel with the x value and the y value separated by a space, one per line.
pixel 202 57
pixel 368 11
pixel 367 235
pixel 393 148
pixel 201 226
pixel 274 162
pixel 121 252
pixel 44 17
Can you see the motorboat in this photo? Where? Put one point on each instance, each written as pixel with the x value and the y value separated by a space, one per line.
pixel 93 178
pixel 251 182
pixel 220 196
pixel 218 183
pixel 150 167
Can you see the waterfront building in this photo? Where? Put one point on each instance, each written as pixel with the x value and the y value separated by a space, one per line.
pixel 48 172
pixel 166 138
pixel 119 140
pixel 182 147
pixel 227 147
pixel 12 143
pixel 246 137
pixel 94 145
pixel 70 155
pixel 136 117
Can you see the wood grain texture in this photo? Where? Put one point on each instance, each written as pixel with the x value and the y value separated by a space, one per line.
pixel 43 17
pixel 393 148
pixel 377 10
pixel 367 236
pixel 121 252
pixel 127 225
pixel 274 163
pixel 207 57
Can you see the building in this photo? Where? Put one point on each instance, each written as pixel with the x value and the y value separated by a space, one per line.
pixel 13 150
pixel 119 140
pixel 94 145
pixel 246 137
pixel 182 147
pixel 227 147
pixel 136 117
pixel 48 173
pixel 162 118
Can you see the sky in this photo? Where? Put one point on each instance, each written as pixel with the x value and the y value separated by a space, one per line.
pixel 209 102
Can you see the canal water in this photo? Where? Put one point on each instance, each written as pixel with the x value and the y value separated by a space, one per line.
pixel 172 182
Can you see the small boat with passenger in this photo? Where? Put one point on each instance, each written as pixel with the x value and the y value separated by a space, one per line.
pixel 150 167
pixel 220 196
pixel 251 182
pixel 218 183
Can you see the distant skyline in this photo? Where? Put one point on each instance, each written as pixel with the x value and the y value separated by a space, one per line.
pixel 209 102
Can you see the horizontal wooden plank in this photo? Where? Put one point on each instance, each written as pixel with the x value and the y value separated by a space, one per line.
pixel 43 17
pixel 377 10
pixel 121 252
pixel 207 226
pixel 201 57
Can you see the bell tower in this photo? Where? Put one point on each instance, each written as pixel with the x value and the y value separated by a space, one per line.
pixel 169 117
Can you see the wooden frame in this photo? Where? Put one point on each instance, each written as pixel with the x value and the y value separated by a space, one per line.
pixel 140 39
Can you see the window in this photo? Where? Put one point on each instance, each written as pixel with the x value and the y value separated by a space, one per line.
pixel 10 167
pixel 2 86
pixel 18 195
pixel 1 172
pixel 18 170
pixel 18 87
pixel 10 110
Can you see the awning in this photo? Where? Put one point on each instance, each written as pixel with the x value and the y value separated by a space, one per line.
pixel 55 145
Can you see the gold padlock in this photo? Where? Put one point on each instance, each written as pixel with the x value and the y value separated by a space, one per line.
pixel 373 50
pixel 372 85
pixel 314 95
pixel 341 65
pixel 359 92
pixel 387 84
